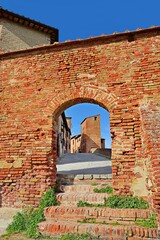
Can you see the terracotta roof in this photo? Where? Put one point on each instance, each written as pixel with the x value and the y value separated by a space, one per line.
pixel 30 23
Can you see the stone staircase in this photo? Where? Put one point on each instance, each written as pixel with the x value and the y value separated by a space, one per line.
pixel 81 187
pixel 67 218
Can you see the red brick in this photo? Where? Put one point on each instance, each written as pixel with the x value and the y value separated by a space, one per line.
pixel 48 80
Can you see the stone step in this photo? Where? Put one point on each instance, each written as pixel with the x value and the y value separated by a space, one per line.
pixel 122 216
pixel 63 179
pixel 82 187
pixel 103 231
pixel 72 198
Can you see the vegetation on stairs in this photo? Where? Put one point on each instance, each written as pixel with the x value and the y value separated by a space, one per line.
pixel 99 213
pixel 80 216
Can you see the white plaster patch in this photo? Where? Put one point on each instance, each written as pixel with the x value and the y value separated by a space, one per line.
pixel 86 75
pixel 139 184
pixel 149 183
pixel 134 61
pixel 18 163
pixel 12 81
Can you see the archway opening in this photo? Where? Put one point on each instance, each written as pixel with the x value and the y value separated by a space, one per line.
pixel 83 140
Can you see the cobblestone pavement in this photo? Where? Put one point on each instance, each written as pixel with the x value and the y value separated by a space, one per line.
pixel 83 163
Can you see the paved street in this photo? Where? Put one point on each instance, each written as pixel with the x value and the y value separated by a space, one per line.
pixel 83 163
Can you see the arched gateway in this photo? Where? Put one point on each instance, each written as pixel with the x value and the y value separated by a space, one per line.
pixel 119 72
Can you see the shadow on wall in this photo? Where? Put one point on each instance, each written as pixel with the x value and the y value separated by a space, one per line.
pixel 95 170
pixel 88 143
pixel 103 151
pixel 81 158
pixel 62 179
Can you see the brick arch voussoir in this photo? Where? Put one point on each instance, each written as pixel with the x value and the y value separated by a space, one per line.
pixel 68 97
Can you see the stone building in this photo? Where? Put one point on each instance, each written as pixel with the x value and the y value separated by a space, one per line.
pixel 18 32
pixel 76 143
pixel 63 135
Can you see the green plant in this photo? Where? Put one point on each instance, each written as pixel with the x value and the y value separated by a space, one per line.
pixel 125 202
pixel 94 184
pixel 57 188
pixel 116 224
pixel 83 204
pixel 48 199
pixel 118 202
pixel 92 220
pixel 27 220
pixel 86 204
pixel 31 223
pixel 22 237
pixel 85 236
pixel 5 236
pixel 148 223
pixel 87 220
pixel 106 189
pixel 127 233
pixel 18 224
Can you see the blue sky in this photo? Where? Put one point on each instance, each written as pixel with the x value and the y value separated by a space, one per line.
pixel 85 18
pixel 80 111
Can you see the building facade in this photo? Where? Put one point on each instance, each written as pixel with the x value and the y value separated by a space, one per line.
pixel 90 134
pixel 63 135
pixel 76 144
pixel 18 32
pixel 90 138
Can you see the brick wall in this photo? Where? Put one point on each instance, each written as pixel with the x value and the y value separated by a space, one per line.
pixel 15 37
pixel 91 136
pixel 120 73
